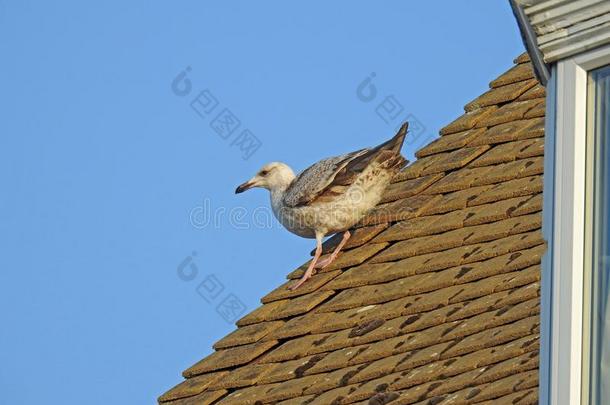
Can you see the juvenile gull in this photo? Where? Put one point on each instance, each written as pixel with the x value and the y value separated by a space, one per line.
pixel 331 195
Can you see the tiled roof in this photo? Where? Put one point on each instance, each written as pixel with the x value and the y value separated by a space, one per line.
pixel 436 298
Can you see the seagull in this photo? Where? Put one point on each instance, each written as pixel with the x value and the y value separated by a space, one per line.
pixel 330 196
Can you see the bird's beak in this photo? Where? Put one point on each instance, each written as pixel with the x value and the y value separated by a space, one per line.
pixel 245 186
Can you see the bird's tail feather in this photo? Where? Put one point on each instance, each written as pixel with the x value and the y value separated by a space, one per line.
pixel 388 154
pixel 398 139
pixel 395 143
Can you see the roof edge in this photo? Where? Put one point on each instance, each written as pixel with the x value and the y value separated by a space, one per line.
pixel 541 69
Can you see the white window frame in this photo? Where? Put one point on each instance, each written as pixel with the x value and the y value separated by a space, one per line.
pixel 564 293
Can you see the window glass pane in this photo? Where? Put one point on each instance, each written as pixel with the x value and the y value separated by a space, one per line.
pixel 600 309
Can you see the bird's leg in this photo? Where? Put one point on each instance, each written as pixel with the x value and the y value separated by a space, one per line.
pixel 328 260
pixel 310 269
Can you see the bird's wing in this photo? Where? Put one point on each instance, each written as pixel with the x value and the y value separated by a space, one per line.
pixel 311 182
pixel 333 175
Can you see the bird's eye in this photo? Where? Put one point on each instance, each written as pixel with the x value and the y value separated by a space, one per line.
pixel 264 173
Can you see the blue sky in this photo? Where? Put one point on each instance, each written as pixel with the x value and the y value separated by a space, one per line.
pixel 109 169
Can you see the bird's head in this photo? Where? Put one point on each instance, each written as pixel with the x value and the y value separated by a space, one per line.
pixel 272 176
